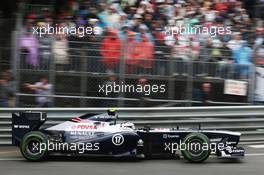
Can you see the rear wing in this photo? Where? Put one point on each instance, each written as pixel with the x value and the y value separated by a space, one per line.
pixel 24 122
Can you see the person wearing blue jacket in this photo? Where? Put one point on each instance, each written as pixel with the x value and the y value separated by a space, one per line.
pixel 242 56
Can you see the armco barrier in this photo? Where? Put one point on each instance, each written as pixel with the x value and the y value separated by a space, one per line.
pixel 246 119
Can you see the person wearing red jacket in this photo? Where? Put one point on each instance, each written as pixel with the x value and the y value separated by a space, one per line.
pixel 132 53
pixel 221 6
pixel 146 57
pixel 110 51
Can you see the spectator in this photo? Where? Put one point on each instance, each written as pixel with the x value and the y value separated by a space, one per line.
pixel 216 52
pixel 259 38
pixel 226 62
pixel 132 53
pixel 112 19
pixel 45 45
pixel 41 88
pixel 206 94
pixel 243 57
pixel 112 79
pixel 144 100
pixel 235 43
pixel 93 54
pixel 110 51
pixel 259 55
pixel 123 34
pixel 136 23
pixel 76 51
pixel 148 20
pixel 60 50
pixel 182 55
pixel 215 55
pixel 197 97
pixel 226 53
pixel 7 90
pixel 162 54
pixel 144 31
pixel 194 48
pixel 204 57
pixel 28 45
pixel 146 57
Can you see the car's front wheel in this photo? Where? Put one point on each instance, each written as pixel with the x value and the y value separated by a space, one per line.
pixel 197 147
pixel 34 146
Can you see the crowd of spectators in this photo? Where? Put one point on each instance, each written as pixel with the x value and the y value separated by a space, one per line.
pixel 133 33
pixel 134 30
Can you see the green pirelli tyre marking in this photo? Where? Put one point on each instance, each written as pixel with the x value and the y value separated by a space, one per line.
pixel 29 137
pixel 203 154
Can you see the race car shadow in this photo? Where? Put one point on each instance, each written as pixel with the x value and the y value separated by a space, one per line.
pixel 93 159
pixel 215 161
pixel 109 158
pixel 136 160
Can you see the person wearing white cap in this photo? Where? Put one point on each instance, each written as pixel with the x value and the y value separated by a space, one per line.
pixel 113 18
pixel 236 42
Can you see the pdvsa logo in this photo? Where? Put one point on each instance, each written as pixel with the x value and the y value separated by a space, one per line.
pixel 118 139
pixel 84 127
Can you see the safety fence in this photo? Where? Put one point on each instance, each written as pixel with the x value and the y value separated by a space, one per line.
pixel 76 66
pixel 76 69
pixel 249 120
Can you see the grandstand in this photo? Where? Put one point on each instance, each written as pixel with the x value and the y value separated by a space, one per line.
pixel 106 41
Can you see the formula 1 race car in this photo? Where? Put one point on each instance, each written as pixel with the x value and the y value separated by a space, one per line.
pixel 103 135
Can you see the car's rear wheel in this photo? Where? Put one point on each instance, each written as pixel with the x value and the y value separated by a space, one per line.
pixel 34 146
pixel 197 147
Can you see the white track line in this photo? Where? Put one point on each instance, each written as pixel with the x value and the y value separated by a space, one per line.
pixel 7 152
pixel 9 159
pixel 256 146
pixel 255 154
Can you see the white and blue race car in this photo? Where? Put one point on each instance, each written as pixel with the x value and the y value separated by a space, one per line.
pixel 103 135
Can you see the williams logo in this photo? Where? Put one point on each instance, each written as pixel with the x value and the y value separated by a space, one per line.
pixel 118 139
pixel 21 126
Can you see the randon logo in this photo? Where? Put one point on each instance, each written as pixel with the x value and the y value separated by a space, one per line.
pixel 118 139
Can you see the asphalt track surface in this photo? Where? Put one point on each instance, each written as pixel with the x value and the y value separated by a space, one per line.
pixel 11 163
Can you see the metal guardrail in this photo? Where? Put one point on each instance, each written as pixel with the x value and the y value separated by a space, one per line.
pixel 85 63
pixel 130 99
pixel 249 120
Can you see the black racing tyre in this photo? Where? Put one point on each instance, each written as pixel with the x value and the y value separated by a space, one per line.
pixel 195 147
pixel 33 146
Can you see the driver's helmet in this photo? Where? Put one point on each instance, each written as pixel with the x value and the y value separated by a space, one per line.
pixel 112 115
pixel 111 112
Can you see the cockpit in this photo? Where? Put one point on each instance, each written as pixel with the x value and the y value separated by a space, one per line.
pixel 110 116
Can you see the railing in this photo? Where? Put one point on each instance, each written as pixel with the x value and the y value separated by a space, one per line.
pixel 84 63
pixel 249 120
pixel 82 68
pixel 76 73
pixel 90 72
